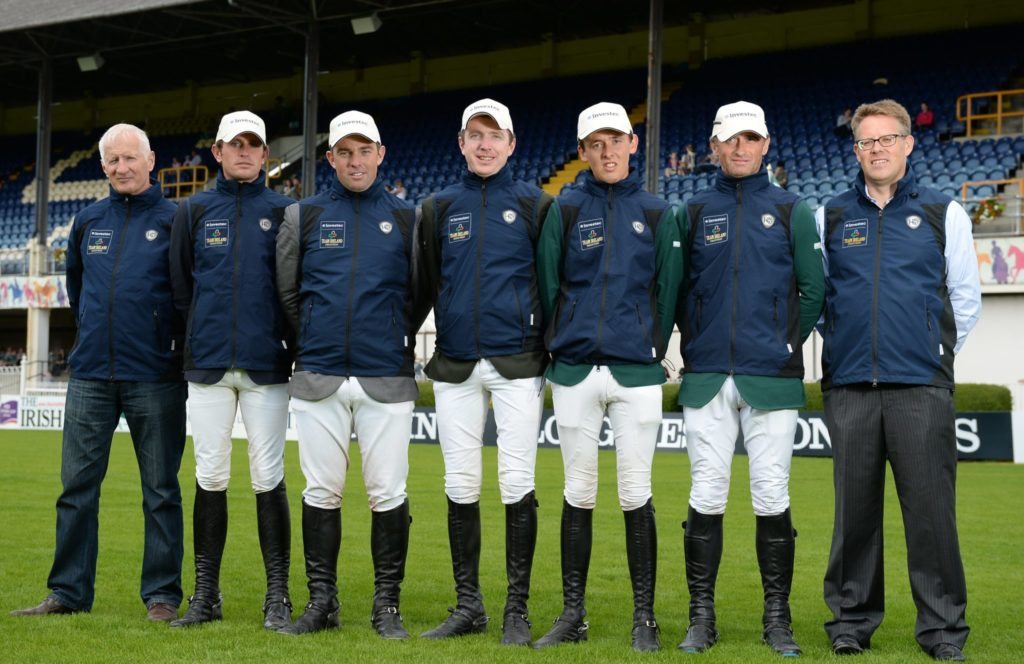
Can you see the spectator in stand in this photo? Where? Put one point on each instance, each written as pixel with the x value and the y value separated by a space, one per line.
pixel 194 159
pixel 925 119
pixel 842 129
pixel 399 190
pixel 672 165
pixel 688 161
pixel 293 188
pixel 781 175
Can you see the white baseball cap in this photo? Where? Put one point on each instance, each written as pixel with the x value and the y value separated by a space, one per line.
pixel 353 122
pixel 604 115
pixel 738 117
pixel 494 109
pixel 241 122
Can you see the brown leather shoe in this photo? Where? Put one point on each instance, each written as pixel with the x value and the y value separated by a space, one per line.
pixel 161 612
pixel 49 606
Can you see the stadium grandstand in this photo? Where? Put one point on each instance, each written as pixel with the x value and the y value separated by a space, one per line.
pixel 175 67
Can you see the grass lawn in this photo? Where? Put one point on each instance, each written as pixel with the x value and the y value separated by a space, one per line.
pixel 991 497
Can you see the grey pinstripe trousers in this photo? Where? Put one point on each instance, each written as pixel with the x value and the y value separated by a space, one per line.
pixel 913 428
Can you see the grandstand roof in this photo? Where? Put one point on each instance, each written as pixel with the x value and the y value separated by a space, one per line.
pixel 151 45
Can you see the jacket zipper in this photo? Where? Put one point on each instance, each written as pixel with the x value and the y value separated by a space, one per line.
pixel 607 259
pixel 235 275
pixel 479 257
pixel 874 302
pixel 735 279
pixel 353 275
pixel 113 280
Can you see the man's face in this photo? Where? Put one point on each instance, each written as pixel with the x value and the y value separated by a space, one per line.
pixel 242 157
pixel 607 152
pixel 741 155
pixel 355 159
pixel 883 166
pixel 126 166
pixel 485 146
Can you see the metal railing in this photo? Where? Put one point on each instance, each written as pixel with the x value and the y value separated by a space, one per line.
pixel 992 113
pixel 999 213
pixel 183 181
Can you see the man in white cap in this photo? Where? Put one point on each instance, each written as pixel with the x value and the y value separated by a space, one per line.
pixel 754 290
pixel 479 239
pixel 238 353
pixel 345 262
pixel 609 269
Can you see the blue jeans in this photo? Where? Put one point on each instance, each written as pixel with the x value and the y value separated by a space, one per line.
pixel 155 413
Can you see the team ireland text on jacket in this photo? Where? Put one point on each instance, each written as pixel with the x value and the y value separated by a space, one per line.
pixel 119 290
pixel 223 255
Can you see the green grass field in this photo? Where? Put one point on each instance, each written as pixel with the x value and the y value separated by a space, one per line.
pixel 991 534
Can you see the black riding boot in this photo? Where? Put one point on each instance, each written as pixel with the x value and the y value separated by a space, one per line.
pixel 520 542
pixel 275 530
pixel 776 547
pixel 577 541
pixel 389 544
pixel 321 542
pixel 209 531
pixel 642 554
pixel 702 545
pixel 468 616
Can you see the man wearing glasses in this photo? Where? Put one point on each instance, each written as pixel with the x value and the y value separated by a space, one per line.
pixel 902 293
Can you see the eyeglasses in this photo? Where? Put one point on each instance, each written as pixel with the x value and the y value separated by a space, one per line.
pixel 886 141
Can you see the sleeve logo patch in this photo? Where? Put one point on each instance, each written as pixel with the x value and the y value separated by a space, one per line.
pixel 99 242
pixel 216 233
pixel 767 220
pixel 591 233
pixel 151 235
pixel 385 227
pixel 509 216
pixel 638 227
pixel 265 224
pixel 716 229
pixel 913 221
pixel 332 234
pixel 855 233
pixel 460 227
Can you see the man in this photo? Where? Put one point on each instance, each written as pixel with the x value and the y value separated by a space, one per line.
pixel 609 271
pixel 126 359
pixel 479 239
pixel 902 293
pixel 754 290
pixel 345 277
pixel 237 354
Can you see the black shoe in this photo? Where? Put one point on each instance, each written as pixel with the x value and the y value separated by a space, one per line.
pixel 274 526
pixel 947 652
pixel 387 621
pixel 515 630
pixel 321 542
pixel 314 619
pixel 277 613
pixel 844 644
pixel 200 610
pixel 389 544
pixel 570 627
pixel 461 622
pixel 645 636
pixel 520 543
pixel 780 639
pixel 699 637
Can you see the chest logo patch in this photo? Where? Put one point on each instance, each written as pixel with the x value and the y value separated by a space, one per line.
pixel 716 229
pixel 460 227
pixel 151 235
pixel 509 216
pixel 855 233
pixel 216 233
pixel 591 233
pixel 767 220
pixel 99 242
pixel 265 224
pixel 332 234
pixel 913 221
pixel 385 227
pixel 638 227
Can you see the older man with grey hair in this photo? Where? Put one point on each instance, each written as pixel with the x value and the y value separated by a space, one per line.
pixel 126 360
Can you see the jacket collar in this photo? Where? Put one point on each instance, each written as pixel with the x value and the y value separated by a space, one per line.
pixel 338 190
pixel 756 182
pixel 624 187
pixel 243 189
pixel 474 181
pixel 907 186
pixel 146 199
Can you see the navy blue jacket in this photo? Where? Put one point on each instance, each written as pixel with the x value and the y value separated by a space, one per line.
pixel 742 313
pixel 607 304
pixel 345 276
pixel 119 289
pixel 223 251
pixel 479 241
pixel 888 316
